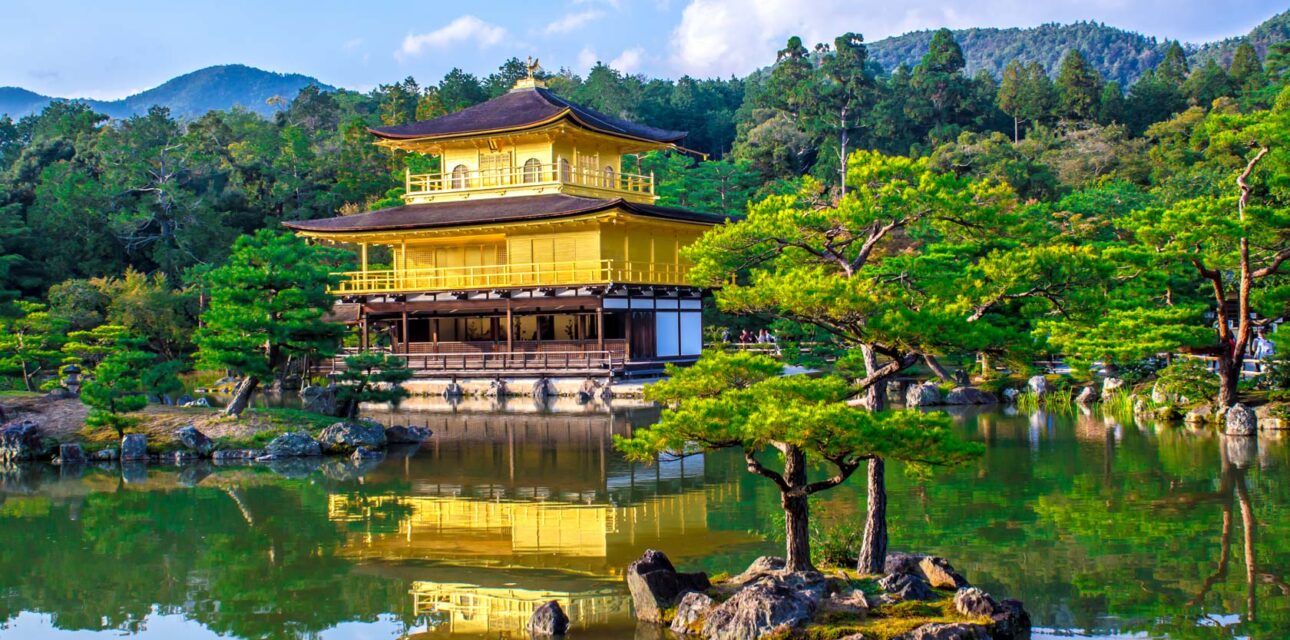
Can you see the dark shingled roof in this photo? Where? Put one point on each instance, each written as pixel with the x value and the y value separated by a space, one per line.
pixel 488 211
pixel 520 109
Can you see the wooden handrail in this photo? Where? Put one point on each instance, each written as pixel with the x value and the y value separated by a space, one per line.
pixel 547 173
pixel 510 275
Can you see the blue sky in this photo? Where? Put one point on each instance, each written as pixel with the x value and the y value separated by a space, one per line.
pixel 110 49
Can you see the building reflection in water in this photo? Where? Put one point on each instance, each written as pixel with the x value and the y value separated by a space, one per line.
pixel 502 512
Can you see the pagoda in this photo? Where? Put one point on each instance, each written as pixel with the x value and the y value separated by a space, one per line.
pixel 536 249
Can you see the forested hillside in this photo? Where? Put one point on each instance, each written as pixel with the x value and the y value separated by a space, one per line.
pixel 1117 54
pixel 188 96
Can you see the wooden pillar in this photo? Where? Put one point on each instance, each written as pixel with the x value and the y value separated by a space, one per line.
pixel 404 334
pixel 627 353
pixel 600 326
pixel 510 327
pixel 362 321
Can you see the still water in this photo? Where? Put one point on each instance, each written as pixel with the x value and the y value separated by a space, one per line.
pixel 1104 528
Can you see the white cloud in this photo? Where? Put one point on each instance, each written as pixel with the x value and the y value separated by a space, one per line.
pixel 587 59
pixel 722 37
pixel 629 61
pixel 572 21
pixel 463 29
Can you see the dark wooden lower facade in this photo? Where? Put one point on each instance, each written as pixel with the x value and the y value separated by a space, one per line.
pixel 604 330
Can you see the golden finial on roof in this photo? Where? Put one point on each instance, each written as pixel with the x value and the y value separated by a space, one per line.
pixel 531 81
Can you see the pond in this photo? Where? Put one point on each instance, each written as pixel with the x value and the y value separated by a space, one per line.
pixel 1104 528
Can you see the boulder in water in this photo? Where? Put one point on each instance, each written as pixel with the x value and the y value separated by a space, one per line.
pixel 547 621
pixel 969 395
pixel 691 611
pixel 134 446
pixel 1241 421
pixel 923 395
pixel 398 434
pixel 656 585
pixel 22 440
pixel 293 445
pixel 194 440
pixel 345 437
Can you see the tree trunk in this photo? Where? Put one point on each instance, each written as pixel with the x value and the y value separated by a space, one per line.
pixel 1229 376
pixel 1016 130
pixel 935 366
pixel 873 551
pixel 1248 524
pixel 797 512
pixel 875 397
pixel 242 396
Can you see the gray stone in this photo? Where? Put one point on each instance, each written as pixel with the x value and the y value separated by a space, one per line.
pixel 183 399
pixel 971 601
pixel 969 395
pixel 104 455
pixel 923 395
pixel 761 608
pixel 344 437
pixel 1010 394
pixel 61 393
pixel 293 445
pixel 231 455
pixel 901 562
pixel 691 611
pixel 907 586
pixel 1241 421
pixel 1038 385
pixel 134 446
pixel 1141 407
pixel 199 402
pixel 192 474
pixel 453 390
pixel 1160 396
pixel 761 567
pixel 940 573
pixel 548 621
pixel 407 435
pixel 850 603
pixel 1269 416
pixel 656 585
pixel 1011 622
pixel 22 440
pixel 1111 385
pixel 1086 397
pixel 318 399
pixel 1199 414
pixel 70 454
pixel 190 438
pixel 948 631
pixel 542 389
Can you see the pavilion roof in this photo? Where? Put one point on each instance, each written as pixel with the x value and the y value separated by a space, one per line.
pixel 522 109
pixel 491 211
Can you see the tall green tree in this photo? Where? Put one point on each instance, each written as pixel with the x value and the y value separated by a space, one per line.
pixel 1080 87
pixel 1246 70
pixel 117 389
pixel 266 310
pixel 1011 97
pixel 738 400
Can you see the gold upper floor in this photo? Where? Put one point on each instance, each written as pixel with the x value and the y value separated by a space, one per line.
pixel 560 158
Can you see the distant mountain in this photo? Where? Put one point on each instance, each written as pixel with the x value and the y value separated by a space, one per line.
pixel 1120 55
pixel 1272 31
pixel 189 95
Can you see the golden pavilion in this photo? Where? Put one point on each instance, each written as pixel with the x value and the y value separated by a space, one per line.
pixel 536 249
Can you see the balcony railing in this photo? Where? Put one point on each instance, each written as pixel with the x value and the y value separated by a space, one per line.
pixel 500 276
pixel 418 184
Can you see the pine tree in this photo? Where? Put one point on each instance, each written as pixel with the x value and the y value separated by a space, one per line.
pixel 740 401
pixel 1246 70
pixel 1208 83
pixel 266 309
pixel 1039 99
pixel 1011 98
pixel 117 388
pixel 371 377
pixel 1173 69
pixel 1110 108
pixel 1079 86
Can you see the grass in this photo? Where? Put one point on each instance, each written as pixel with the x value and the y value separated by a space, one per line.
pixel 19 393
pixel 884 622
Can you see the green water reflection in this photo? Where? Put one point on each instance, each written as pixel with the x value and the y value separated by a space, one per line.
pixel 1102 528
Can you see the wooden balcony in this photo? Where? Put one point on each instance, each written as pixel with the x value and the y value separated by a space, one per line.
pixel 602 181
pixel 526 357
pixel 505 276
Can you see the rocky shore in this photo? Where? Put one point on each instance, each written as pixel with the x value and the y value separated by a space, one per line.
pixel 918 598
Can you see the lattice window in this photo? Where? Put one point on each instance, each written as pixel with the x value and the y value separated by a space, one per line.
pixel 494 168
pixel 460 176
pixel 532 170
